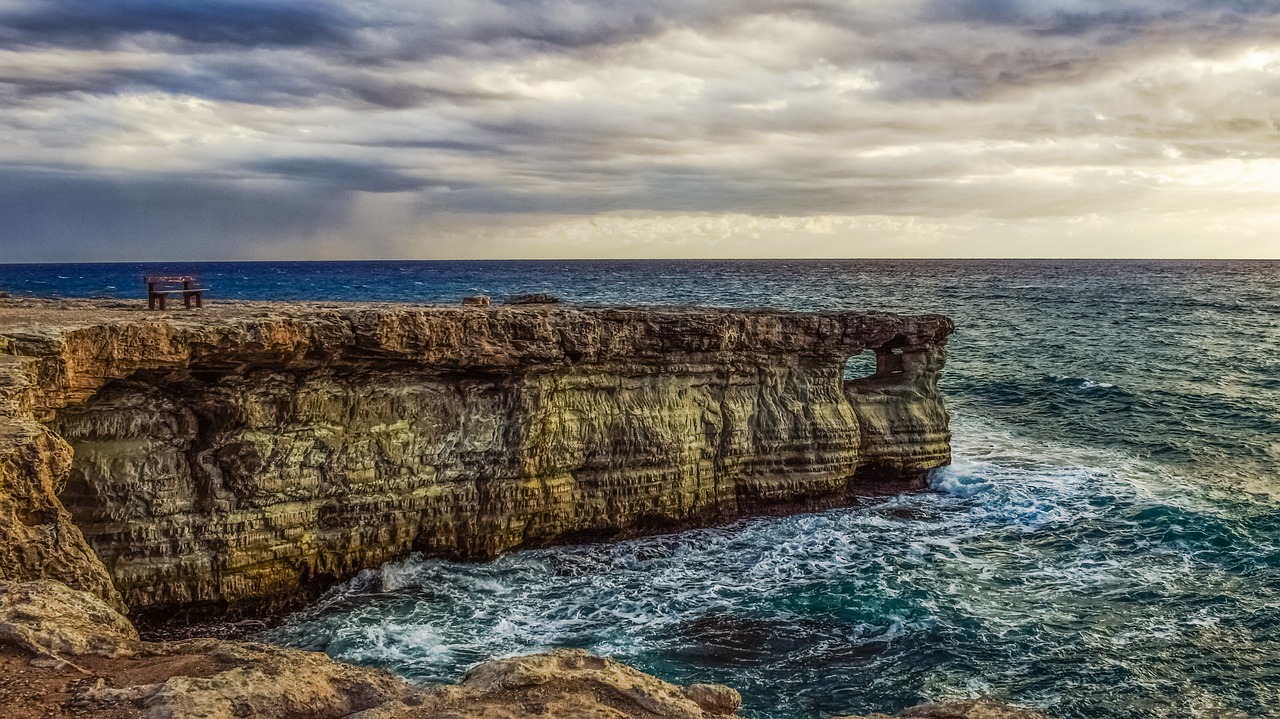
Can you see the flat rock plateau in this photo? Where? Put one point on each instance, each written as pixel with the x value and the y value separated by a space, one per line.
pixel 243 457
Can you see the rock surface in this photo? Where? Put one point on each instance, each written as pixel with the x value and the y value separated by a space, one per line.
pixel 250 452
pixel 250 680
pixel 570 683
pixel 213 679
pixel 65 652
pixel 52 619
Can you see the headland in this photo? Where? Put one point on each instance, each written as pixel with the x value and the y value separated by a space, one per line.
pixel 245 456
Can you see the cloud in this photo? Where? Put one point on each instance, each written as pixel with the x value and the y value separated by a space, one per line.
pixel 90 23
pixel 396 120
pixel 78 218
pixel 344 174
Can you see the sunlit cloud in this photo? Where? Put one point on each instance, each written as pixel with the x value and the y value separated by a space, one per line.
pixel 551 128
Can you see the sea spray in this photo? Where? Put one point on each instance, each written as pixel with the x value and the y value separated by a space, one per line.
pixel 1102 551
pixel 1079 580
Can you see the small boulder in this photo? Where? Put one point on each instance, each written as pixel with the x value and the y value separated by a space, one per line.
pixel 50 618
pixel 254 681
pixel 715 699
pixel 571 683
pixel 476 301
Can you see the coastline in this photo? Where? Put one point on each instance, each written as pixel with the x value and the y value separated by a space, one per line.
pixel 249 453
pixel 65 362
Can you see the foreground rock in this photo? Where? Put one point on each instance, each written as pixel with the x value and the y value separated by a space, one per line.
pixel 66 653
pixel 238 679
pixel 565 684
pixel 50 619
pixel 248 454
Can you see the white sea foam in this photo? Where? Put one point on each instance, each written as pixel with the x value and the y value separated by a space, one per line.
pixel 1021 549
pixel 1082 382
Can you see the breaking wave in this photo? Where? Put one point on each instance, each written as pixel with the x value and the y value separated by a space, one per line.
pixel 1082 581
pixel 1107 543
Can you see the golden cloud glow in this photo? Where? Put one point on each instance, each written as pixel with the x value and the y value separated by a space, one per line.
pixel 698 129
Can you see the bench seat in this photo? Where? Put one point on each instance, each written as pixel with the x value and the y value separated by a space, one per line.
pixel 159 289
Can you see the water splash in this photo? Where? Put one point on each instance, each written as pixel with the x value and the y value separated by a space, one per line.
pixel 1083 581
pixel 1099 550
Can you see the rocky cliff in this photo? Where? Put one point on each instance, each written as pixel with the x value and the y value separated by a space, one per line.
pixel 247 452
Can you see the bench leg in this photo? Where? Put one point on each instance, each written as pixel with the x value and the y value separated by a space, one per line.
pixel 199 300
pixel 151 301
pixel 162 299
pixel 186 300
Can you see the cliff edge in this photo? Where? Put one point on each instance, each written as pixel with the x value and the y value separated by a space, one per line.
pixel 251 452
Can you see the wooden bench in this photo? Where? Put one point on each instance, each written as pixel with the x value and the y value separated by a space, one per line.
pixel 160 287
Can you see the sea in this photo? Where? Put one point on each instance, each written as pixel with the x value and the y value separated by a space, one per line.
pixel 1105 544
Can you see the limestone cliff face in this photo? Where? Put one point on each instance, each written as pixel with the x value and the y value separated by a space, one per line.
pixel 38 538
pixel 249 451
pixel 901 416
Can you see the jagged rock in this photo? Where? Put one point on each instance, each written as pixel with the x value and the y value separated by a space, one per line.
pixel 261 681
pixel 476 301
pixel 255 451
pixel 38 537
pixel 960 710
pixel 45 616
pixel 566 684
pixel 714 699
pixel 904 426
pixel 197 679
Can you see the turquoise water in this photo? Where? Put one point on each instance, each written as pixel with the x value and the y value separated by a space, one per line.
pixel 1107 543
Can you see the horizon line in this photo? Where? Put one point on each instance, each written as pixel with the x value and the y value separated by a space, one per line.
pixel 654 259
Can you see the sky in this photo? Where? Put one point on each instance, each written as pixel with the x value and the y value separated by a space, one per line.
pixel 419 129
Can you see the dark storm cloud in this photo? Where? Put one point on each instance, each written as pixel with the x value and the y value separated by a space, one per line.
pixel 1082 17
pixel 102 23
pixel 345 174
pixel 971 49
pixel 1048 19
pixel 415 30
pixel 325 110
pixel 945 49
pixel 238 80
pixel 60 217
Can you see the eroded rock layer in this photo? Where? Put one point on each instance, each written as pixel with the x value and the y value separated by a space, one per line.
pixel 242 453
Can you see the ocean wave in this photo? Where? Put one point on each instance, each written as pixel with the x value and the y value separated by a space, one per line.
pixel 1044 572
pixel 1081 382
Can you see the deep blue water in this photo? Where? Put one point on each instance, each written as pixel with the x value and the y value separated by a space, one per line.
pixel 1107 543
